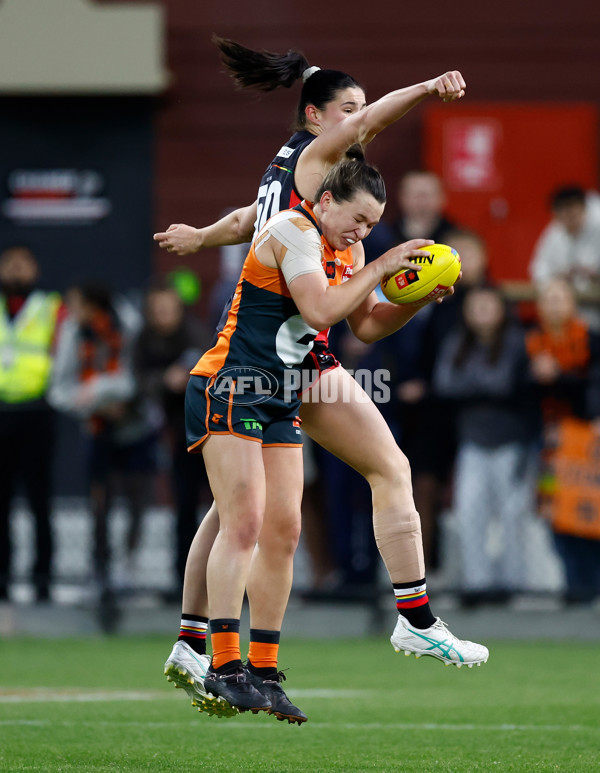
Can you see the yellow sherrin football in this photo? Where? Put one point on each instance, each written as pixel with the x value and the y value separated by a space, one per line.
pixel 439 271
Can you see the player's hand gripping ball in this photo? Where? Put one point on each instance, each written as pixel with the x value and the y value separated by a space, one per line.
pixel 439 271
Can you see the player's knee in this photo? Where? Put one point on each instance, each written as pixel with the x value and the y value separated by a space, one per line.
pixel 282 538
pixel 393 470
pixel 242 528
pixel 244 535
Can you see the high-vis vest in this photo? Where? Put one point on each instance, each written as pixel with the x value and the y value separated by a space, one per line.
pixel 25 342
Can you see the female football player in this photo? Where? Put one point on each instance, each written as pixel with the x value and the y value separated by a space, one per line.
pixel 332 117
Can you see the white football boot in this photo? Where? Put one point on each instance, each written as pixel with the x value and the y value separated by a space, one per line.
pixel 187 669
pixel 437 642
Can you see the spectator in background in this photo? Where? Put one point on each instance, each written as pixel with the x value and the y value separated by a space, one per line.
pixel 421 201
pixel 29 319
pixel 570 247
pixel 167 348
pixel 560 352
pixel 420 410
pixel 593 412
pixel 483 367
pixel 93 381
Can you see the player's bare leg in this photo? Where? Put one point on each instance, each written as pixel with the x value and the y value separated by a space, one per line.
pixel 195 597
pixel 188 662
pixel 353 429
pixel 272 566
pixel 271 573
pixel 236 472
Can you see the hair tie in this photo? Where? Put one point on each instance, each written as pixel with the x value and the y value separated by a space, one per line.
pixel 308 72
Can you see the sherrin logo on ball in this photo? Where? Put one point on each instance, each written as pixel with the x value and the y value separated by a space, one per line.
pixel 439 271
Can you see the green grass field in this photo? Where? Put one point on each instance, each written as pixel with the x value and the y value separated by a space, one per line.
pixel 92 705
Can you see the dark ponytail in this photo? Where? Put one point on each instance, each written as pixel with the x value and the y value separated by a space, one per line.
pixel 260 70
pixel 266 71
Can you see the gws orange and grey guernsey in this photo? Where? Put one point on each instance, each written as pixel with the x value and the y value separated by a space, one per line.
pixel 264 332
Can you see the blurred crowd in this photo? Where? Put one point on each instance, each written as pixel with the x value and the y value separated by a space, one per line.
pixel 497 407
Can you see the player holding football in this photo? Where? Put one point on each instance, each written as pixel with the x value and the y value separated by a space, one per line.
pixel 332 116
pixel 252 447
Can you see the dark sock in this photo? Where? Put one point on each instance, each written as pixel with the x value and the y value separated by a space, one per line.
pixel 193 632
pixel 412 603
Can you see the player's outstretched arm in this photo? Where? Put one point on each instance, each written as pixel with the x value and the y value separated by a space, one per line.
pixel 235 228
pixel 363 125
pixel 449 87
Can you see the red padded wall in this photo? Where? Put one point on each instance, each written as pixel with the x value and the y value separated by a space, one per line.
pixel 501 163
